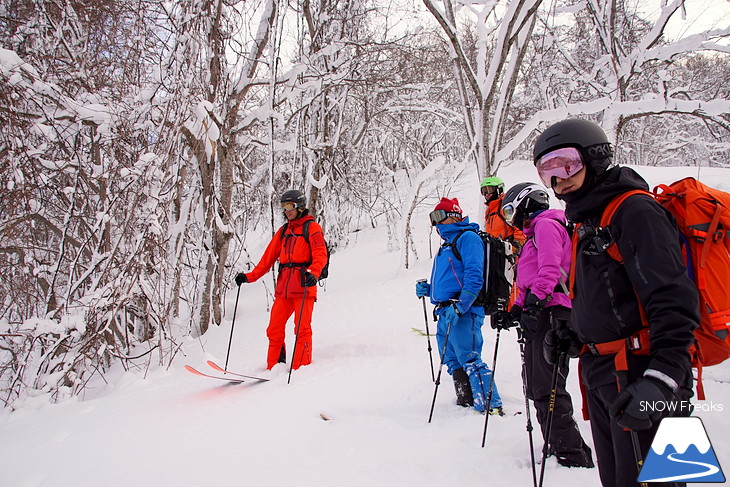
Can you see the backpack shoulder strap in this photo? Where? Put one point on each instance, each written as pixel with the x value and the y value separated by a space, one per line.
pixel 614 204
pixel 497 213
pixel 305 230
pixel 454 249
pixel 607 216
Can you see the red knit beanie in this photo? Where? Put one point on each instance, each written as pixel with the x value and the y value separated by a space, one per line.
pixel 451 207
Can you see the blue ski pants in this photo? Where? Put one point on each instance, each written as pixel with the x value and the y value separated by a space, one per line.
pixel 463 350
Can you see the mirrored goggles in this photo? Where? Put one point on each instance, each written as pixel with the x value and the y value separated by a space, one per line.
pixel 288 206
pixel 509 211
pixel 560 163
pixel 438 216
pixel 488 190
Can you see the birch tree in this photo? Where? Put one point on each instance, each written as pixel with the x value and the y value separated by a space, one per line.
pixel 218 60
pixel 629 74
pixel 487 71
pixel 333 39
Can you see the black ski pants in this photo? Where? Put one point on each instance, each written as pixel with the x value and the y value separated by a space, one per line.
pixel 614 449
pixel 565 438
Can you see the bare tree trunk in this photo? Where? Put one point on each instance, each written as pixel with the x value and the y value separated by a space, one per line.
pixel 217 207
pixel 492 76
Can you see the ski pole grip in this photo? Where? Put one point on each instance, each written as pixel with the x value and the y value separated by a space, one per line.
pixel 422 280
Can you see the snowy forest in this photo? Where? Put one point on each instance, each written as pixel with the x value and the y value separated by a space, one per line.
pixel 144 144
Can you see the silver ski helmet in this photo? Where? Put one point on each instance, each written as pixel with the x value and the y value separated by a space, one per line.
pixel 521 201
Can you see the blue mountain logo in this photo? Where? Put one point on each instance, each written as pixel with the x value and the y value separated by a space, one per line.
pixel 681 452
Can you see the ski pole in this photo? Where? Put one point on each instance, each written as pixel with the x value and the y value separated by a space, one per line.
pixel 491 388
pixel 428 335
pixel 528 426
pixel 233 323
pixel 296 335
pixel 637 453
pixel 551 412
pixel 441 366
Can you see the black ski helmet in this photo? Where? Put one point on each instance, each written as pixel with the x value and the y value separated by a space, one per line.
pixel 522 200
pixel 296 197
pixel 586 136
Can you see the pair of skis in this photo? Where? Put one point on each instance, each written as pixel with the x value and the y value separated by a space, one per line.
pixel 228 375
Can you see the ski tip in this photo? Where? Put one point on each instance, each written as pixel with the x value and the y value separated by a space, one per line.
pixel 193 370
pixel 215 366
pixel 231 380
pixel 218 368
pixel 325 417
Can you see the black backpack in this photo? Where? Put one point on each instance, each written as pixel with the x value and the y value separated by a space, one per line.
pixel 498 271
pixel 305 233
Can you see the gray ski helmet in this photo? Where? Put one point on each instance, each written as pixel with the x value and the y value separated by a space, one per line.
pixel 522 200
pixel 295 196
pixel 588 137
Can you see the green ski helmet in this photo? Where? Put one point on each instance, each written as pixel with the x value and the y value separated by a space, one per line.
pixel 492 182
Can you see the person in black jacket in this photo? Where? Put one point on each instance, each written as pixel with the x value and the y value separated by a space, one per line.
pixel 574 158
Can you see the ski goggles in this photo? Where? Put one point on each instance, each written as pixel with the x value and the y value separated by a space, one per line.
pixel 288 206
pixel 560 163
pixel 438 216
pixel 488 190
pixel 508 212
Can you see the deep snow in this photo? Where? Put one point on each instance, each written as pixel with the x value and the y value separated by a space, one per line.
pixel 371 375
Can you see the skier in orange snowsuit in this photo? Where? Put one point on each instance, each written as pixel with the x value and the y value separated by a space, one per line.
pixel 492 189
pixel 301 261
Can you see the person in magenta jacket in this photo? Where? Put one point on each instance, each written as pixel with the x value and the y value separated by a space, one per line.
pixel 542 305
pixel 544 264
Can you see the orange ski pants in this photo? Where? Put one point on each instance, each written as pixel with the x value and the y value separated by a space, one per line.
pixel 281 310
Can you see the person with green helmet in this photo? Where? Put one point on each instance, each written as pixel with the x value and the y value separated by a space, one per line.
pixel 492 189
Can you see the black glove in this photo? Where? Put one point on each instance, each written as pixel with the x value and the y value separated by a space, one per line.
pixel 532 301
pixel 630 407
pixel 241 278
pixel 503 320
pixel 516 312
pixel 534 306
pixel 561 341
pixel 309 279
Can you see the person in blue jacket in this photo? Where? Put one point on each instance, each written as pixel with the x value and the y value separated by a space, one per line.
pixel 455 284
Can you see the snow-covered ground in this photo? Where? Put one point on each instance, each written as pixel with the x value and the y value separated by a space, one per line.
pixel 370 375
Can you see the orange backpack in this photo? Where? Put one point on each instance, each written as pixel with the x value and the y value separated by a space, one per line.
pixel 703 219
